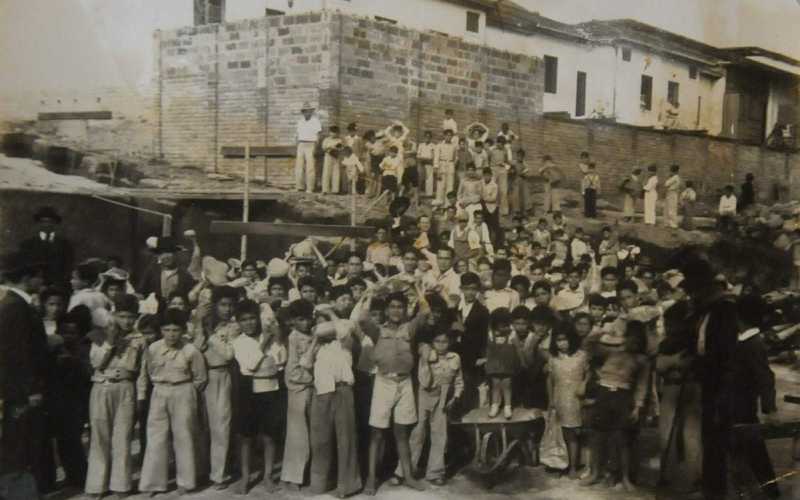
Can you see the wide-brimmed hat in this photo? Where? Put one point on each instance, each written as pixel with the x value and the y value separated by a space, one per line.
pixel 277 268
pixel 47 213
pixel 164 244
pixel 307 106
pixel 399 206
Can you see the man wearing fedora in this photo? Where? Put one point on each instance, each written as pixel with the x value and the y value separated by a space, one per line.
pixel 308 130
pixel 24 361
pixel 49 247
pixel 166 277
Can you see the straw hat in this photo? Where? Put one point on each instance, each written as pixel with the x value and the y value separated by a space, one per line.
pixel 215 271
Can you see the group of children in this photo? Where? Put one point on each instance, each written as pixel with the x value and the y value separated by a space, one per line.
pixel 319 358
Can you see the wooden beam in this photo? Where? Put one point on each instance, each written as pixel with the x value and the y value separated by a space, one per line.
pixel 779 430
pixel 76 115
pixel 299 230
pixel 259 151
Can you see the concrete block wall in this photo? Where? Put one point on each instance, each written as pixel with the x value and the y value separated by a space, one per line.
pixel 245 81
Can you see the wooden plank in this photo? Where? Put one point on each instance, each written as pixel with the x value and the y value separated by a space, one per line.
pixel 76 115
pixel 259 151
pixel 795 400
pixel 779 430
pixel 299 230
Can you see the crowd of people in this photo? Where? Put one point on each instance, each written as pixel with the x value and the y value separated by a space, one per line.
pixel 312 360
pixel 475 170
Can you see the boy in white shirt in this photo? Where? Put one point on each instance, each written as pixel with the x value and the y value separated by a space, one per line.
pixel 727 209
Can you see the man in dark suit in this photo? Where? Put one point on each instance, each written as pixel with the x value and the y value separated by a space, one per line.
pixel 165 276
pixel 50 248
pixel 713 345
pixel 472 346
pixel 24 360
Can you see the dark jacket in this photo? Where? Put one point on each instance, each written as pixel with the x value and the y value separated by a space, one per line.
pixel 475 336
pixel 747 197
pixel 151 282
pixel 58 256
pixel 754 381
pixel 24 355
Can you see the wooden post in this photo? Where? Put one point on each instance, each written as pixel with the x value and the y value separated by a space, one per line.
pixel 246 202
pixel 353 211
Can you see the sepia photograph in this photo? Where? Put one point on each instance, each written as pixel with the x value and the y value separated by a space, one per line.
pixel 400 249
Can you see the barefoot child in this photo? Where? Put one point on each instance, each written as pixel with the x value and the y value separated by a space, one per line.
pixel 260 357
pixel 297 449
pixel 438 372
pixel 622 383
pixel 569 370
pixel 393 393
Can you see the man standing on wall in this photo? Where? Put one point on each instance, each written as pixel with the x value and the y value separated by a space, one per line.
pixel 308 130
pixel 49 247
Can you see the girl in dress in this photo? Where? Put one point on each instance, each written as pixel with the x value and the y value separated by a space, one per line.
pixel 502 361
pixel 568 369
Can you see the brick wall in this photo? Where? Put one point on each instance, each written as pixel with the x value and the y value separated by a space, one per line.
pixel 245 81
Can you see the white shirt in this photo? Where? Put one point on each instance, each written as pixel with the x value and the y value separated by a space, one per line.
pixel 333 364
pixel 308 130
pixel 727 204
pixel 255 363
pixel 450 124
pixel 47 236
pixel 495 299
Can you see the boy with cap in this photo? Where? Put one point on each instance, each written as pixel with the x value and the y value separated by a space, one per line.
pixel 177 371
pixel 307 136
pixel 115 356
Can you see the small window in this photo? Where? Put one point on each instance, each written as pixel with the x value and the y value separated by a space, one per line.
pixel 626 53
pixel 673 89
pixel 385 20
pixel 473 22
pixel 646 98
pixel 580 97
pixel 693 72
pixel 274 12
pixel 550 74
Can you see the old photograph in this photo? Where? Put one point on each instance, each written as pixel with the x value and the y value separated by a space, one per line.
pixel 401 249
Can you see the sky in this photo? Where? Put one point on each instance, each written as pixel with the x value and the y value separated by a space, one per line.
pixel 86 43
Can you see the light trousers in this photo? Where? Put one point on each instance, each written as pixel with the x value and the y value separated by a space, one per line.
pixel 433 416
pixel 305 170
pixel 297 448
pixel 216 437
pixel 173 412
pixel 111 413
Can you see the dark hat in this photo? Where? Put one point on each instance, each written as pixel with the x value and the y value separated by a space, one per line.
pixel 399 206
pixel 247 307
pixel 166 244
pixel 224 292
pixel 301 308
pixel 174 317
pixel 47 213
pixel 127 303
pixel 469 279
